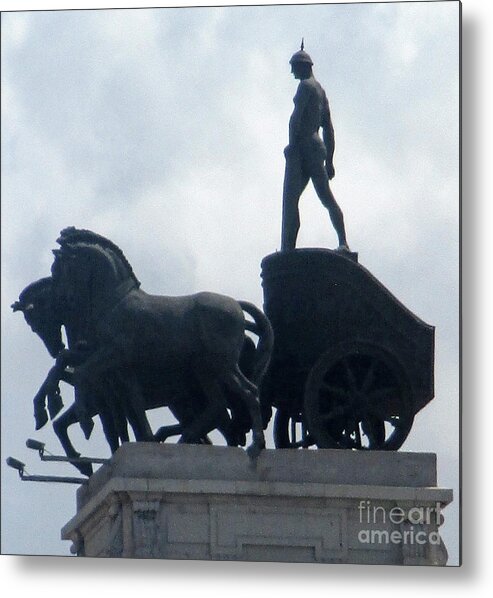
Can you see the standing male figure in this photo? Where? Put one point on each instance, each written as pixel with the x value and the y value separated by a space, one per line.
pixel 307 156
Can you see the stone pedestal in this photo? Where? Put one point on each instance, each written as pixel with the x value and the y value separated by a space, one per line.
pixel 209 503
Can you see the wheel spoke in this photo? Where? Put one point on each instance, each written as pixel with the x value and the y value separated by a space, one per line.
pixel 293 430
pixel 374 430
pixel 357 399
pixel 349 374
pixel 369 377
pixel 357 433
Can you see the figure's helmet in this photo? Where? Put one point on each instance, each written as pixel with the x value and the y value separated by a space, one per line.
pixel 301 56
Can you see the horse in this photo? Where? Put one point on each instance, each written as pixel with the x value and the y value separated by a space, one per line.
pixel 178 345
pixel 145 383
pixel 36 303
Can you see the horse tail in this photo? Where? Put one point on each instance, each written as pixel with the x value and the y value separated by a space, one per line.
pixel 263 329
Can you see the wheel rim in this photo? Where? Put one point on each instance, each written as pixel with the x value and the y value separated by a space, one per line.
pixel 358 397
pixel 289 431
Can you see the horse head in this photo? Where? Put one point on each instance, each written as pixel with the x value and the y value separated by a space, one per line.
pixel 89 273
pixel 36 303
pixel 71 235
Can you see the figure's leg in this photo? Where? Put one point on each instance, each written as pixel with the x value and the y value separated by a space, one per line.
pixel 295 181
pixel 322 187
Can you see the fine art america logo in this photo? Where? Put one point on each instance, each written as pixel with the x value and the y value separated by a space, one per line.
pixel 412 521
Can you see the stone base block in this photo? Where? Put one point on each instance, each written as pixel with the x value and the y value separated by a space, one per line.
pixel 210 503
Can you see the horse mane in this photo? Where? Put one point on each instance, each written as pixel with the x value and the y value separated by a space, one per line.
pixel 72 235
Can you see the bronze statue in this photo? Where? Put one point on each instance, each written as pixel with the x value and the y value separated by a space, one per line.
pixel 307 156
pixel 131 351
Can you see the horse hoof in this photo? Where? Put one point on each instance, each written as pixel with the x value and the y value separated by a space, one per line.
pixel 85 469
pixel 160 435
pixel 87 426
pixel 253 452
pixel 191 440
pixel 41 419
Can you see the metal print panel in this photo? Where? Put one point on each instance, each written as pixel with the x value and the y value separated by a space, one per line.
pixel 254 212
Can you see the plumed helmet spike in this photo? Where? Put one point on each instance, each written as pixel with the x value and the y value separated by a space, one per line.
pixel 301 56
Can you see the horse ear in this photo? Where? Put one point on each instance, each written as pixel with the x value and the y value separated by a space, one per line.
pixel 67 251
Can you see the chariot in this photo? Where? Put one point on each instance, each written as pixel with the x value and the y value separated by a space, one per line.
pixel 351 365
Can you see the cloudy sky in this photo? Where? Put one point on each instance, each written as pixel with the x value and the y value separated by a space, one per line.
pixel 164 130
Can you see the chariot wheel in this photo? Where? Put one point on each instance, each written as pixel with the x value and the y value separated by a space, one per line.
pixel 357 396
pixel 290 431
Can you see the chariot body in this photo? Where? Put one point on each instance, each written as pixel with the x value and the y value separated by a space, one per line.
pixel 351 365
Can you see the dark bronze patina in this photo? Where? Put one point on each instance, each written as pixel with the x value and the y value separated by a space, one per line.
pixel 350 367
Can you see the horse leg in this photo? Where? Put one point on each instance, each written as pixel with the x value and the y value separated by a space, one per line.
pixel 214 415
pixel 109 428
pixel 134 406
pixel 165 432
pixel 241 386
pixel 122 426
pixel 55 402
pixel 179 407
pixel 112 408
pixel 228 431
pixel 181 410
pixel 49 386
pixel 240 417
pixel 116 412
pixel 60 426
